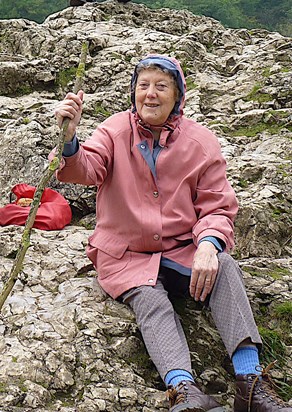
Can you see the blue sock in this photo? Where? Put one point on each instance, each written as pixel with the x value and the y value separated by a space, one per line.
pixel 175 376
pixel 245 360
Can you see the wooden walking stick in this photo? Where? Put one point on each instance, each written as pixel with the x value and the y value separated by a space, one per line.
pixel 48 173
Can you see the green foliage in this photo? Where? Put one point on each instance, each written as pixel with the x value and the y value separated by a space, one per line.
pixel 100 110
pixel 270 14
pixel 36 10
pixel 256 94
pixel 243 183
pixel 276 273
pixel 284 311
pixel 251 131
pixel 22 89
pixel 266 72
pixel 65 76
pixel 26 120
pixel 3 387
pixel 274 348
pixel 190 83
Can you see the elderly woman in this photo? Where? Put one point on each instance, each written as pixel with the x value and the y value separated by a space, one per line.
pixel 165 213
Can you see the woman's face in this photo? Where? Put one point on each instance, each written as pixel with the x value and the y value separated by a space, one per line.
pixel 155 96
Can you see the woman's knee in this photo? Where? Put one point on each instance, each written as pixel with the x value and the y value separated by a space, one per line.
pixel 224 258
pixel 143 295
pixel 228 266
pixel 149 303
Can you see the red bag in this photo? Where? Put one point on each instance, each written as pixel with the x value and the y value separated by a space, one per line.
pixel 53 213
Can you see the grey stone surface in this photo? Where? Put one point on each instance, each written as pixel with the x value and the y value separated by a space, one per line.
pixel 65 346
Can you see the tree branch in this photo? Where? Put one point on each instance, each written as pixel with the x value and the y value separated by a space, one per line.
pixel 48 173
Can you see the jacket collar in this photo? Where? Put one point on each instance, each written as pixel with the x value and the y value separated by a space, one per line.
pixel 167 128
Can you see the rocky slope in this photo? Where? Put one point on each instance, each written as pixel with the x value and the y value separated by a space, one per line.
pixel 64 345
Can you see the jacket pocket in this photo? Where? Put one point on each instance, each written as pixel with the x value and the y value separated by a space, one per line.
pixel 184 236
pixel 184 239
pixel 108 253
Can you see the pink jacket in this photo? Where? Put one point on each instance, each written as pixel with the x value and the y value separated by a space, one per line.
pixel 143 214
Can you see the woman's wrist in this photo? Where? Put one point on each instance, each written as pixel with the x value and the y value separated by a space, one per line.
pixel 72 147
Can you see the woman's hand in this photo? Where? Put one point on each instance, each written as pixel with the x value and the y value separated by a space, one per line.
pixel 204 271
pixel 71 108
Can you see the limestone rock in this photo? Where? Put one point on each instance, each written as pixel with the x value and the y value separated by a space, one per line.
pixel 65 346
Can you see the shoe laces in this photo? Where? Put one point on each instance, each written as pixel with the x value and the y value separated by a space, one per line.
pixel 265 380
pixel 177 396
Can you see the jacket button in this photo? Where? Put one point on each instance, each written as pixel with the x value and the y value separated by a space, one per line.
pixel 143 146
pixel 150 280
pixel 155 194
pixel 156 237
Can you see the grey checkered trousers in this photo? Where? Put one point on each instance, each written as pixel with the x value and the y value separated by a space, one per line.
pixel 160 325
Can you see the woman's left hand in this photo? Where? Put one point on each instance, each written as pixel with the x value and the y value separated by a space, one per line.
pixel 204 271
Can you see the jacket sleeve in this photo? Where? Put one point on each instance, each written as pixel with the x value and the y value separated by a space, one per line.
pixel 215 204
pixel 92 162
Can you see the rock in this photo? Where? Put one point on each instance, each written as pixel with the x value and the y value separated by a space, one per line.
pixel 65 345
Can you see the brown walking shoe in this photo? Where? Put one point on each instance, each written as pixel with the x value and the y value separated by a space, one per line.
pixel 255 393
pixel 187 397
